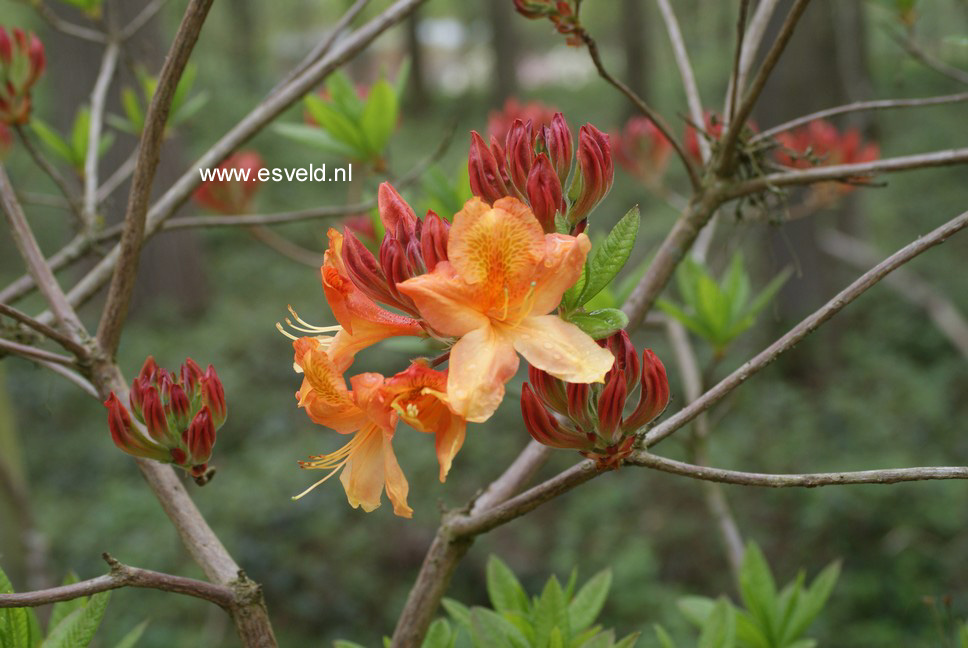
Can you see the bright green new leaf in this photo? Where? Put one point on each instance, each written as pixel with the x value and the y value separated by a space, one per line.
pixel 758 591
pixel 439 635
pixel 813 600
pixel 379 118
pixel 78 628
pixel 550 611
pixel 589 601
pixel 63 608
pixel 696 609
pixel 719 630
pixel 504 589
pixel 459 612
pixel 315 138
pixel 665 640
pixel 609 258
pixel 601 323
pixel 52 140
pixel 488 628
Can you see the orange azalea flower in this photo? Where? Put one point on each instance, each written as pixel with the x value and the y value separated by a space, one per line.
pixel 418 396
pixel 503 278
pixel 367 462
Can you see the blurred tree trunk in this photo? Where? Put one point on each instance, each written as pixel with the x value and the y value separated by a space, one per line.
pixel 825 64
pixel 418 98
pixel 635 42
pixel 505 47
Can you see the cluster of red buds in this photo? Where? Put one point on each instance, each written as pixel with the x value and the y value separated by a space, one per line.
pixel 22 61
pixel 234 184
pixel 642 150
pixel 560 12
pixel 410 247
pixel 533 166
pixel 499 122
pixel 591 418
pixel 819 142
pixel 181 414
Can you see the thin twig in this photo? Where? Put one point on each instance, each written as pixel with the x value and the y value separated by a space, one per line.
pixel 70 345
pixel 149 154
pixel 285 247
pixel 519 473
pixel 66 27
pixel 804 328
pixel 139 21
pixel 643 107
pixel 36 265
pixel 846 171
pixel 879 104
pixel 72 376
pixel 912 48
pixel 123 576
pixel 685 71
pixel 808 480
pixel 942 311
pixel 117 178
pixel 323 47
pixel 98 96
pixel 734 85
pixel 752 40
pixel 74 250
pixel 50 171
pixel 736 125
pixel 33 353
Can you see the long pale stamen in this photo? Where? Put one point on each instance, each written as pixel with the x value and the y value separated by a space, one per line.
pixel 333 462
pixel 304 326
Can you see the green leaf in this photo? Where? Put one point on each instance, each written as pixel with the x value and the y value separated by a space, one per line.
pixel 758 590
pixel 550 611
pixel 696 609
pixel 569 300
pixel 588 602
pixel 403 75
pixel 338 125
pixel 79 134
pixel 604 299
pixel 803 643
pixel 694 324
pixel 504 589
pixel 628 641
pixel 610 257
pixel 439 635
pixel 130 639
pixel 132 109
pixel 665 640
pixel 596 640
pixel 719 630
pixel 343 95
pixel 314 138
pixel 813 600
pixel 488 628
pixel 601 323
pixel 749 634
pixel 459 612
pixel 52 140
pixel 63 608
pixel 78 628
pixel 379 118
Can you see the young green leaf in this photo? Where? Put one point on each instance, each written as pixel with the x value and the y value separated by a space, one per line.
pixel 758 590
pixel 459 612
pixel 588 602
pixel 439 635
pixel 130 639
pixel 610 257
pixel 338 125
pixel 550 611
pixel 78 628
pixel 52 140
pixel 813 600
pixel 628 641
pixel 63 608
pixel 719 630
pixel 79 134
pixel 601 323
pixel 665 640
pixel 379 118
pixel 504 589
pixel 488 628
pixel 314 138
pixel 696 609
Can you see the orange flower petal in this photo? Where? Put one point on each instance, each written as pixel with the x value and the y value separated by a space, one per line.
pixel 363 474
pixel 448 441
pixel 560 269
pixel 449 305
pixel 499 246
pixel 560 348
pixel 480 363
pixel 323 393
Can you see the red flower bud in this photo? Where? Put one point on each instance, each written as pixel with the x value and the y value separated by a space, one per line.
pixel 148 370
pixel 576 395
pixel 544 193
pixel 179 407
pixel 38 60
pixel 520 155
pixel 626 357
pixel 558 143
pixel 534 8
pixel 6 140
pixel 394 210
pixel 433 240
pixel 595 173
pixel 611 406
pixel 201 437
pixel 486 179
pixel 654 396
pixel 125 436
pixel 153 412
pixel 393 261
pixel 6 47
pixel 364 271
pixel 542 426
pixel 549 389
pixel 213 396
pixel 191 374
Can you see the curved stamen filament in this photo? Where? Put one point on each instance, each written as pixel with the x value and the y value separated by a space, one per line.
pixel 333 461
pixel 304 326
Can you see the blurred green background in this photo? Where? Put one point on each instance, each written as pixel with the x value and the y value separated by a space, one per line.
pixel 877 387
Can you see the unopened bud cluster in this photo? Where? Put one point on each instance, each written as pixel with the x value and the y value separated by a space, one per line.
pixel 591 418
pixel 534 166
pixel 410 247
pixel 561 13
pixel 22 61
pixel 181 414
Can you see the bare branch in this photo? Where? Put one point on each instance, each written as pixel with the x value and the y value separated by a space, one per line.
pixel 519 473
pixel 149 153
pixel 804 328
pixel 50 171
pixel 809 480
pixel 738 121
pixel 122 576
pixel 142 19
pixel 733 87
pixel 66 27
pixel 643 107
pixel 915 50
pixel 942 311
pixel 71 252
pixel 685 71
pixel 33 353
pixel 879 104
pixel 36 265
pixel 753 39
pixel 98 96
pixel 72 376
pixel 846 171
pixel 117 178
pixel 48 332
